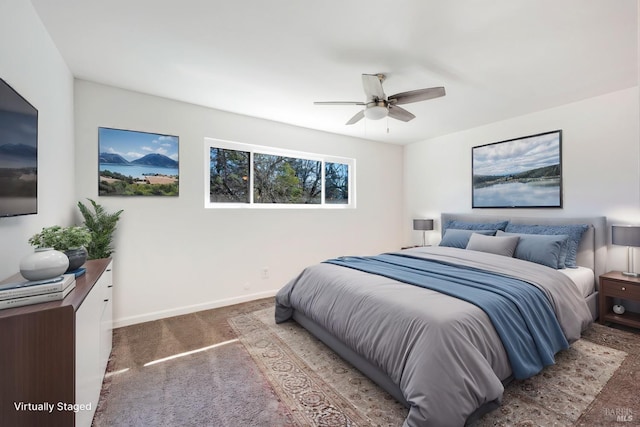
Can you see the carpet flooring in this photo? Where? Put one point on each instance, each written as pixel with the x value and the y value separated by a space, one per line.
pixel 235 367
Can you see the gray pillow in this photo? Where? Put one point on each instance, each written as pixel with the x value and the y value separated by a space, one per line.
pixel 503 245
pixel 540 248
pixel 455 238
pixel 574 232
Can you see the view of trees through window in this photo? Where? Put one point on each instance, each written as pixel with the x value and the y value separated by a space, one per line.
pixel 281 179
pixel 229 176
pixel 275 179
pixel 336 182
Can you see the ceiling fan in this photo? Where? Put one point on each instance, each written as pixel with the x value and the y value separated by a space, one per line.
pixel 378 105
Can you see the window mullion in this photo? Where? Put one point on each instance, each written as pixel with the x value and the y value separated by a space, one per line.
pixel 322 183
pixel 251 176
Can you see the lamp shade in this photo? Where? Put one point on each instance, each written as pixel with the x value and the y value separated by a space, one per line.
pixel 625 235
pixel 376 112
pixel 423 224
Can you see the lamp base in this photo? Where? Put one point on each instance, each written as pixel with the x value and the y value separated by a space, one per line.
pixel 630 263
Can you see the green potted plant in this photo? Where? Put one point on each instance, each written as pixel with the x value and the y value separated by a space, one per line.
pixel 71 240
pixel 101 224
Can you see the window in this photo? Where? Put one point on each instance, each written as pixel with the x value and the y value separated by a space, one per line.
pixel 242 175
pixel 336 183
pixel 280 179
pixel 229 176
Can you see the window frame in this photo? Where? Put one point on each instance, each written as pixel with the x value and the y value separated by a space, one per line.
pixel 262 149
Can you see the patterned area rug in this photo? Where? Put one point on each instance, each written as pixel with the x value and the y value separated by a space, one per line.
pixel 319 388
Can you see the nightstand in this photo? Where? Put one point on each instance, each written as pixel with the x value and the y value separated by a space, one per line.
pixel 616 285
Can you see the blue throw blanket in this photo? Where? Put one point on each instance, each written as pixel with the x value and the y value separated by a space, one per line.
pixel 520 312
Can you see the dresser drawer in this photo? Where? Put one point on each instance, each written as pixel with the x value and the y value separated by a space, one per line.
pixel 620 290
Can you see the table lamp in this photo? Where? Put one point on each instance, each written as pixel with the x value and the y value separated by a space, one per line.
pixel 629 236
pixel 423 225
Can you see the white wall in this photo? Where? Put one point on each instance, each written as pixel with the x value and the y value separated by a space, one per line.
pixel 32 65
pixel 173 256
pixel 600 164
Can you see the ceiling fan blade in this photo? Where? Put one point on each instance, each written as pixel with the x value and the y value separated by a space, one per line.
pixel 338 103
pixel 372 84
pixel 417 95
pixel 359 116
pixel 400 113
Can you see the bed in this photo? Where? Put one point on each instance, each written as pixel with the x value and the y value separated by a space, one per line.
pixel 438 349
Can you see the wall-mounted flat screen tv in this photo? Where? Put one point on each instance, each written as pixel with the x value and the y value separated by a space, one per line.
pixel 18 154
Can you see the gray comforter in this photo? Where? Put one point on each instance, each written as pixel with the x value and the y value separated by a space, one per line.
pixel 442 352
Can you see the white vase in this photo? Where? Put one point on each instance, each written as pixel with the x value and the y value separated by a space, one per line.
pixel 43 263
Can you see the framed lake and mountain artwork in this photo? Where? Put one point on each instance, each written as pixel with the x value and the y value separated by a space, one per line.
pixel 133 163
pixel 524 172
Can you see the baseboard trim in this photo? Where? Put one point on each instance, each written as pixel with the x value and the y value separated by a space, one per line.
pixel 157 315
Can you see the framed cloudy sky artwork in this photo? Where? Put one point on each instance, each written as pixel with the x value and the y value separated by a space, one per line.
pixel 523 172
pixel 133 163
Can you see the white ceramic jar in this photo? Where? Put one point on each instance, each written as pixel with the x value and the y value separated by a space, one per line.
pixel 43 263
pixel 618 309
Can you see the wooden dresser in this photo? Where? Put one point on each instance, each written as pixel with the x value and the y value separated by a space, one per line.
pixel 53 355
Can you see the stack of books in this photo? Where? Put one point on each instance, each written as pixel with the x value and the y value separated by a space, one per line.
pixel 34 292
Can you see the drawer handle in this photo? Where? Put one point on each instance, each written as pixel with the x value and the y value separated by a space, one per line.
pixel 107 300
pixel 111 286
pixel 624 289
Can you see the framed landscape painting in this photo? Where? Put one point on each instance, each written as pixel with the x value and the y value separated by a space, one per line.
pixel 132 163
pixel 518 173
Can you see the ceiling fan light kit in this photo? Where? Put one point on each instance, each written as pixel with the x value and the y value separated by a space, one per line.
pixel 376 111
pixel 378 105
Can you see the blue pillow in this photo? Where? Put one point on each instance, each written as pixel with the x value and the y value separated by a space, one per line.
pixel 575 233
pixel 540 248
pixel 455 238
pixel 463 225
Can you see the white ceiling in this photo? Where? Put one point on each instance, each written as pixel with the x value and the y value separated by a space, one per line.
pixel 271 59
